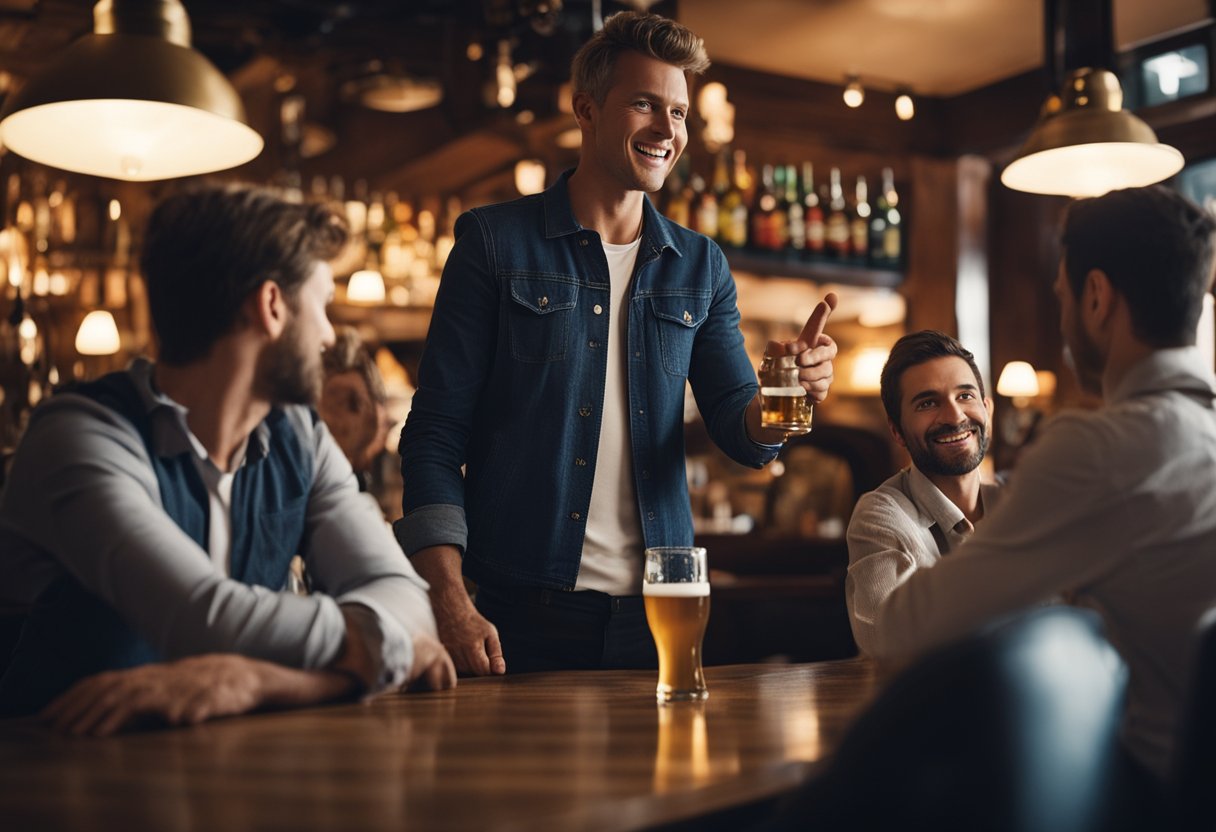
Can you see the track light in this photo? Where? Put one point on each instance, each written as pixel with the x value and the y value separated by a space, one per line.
pixel 905 108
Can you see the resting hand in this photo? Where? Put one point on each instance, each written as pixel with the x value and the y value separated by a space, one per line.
pixel 432 668
pixel 470 638
pixel 184 692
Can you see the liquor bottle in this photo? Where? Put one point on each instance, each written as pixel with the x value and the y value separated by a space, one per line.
pixel 815 230
pixel 794 211
pixel 721 186
pixel 705 208
pixel 837 222
pixel 766 204
pixel 732 210
pixel 859 225
pixel 779 223
pixel 892 238
pixel 678 204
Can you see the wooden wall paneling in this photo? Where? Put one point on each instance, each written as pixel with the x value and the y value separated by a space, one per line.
pixel 932 239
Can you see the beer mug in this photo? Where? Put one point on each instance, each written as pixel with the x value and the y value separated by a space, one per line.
pixel 783 402
pixel 675 586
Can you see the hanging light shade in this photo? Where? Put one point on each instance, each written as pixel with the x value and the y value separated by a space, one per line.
pixel 1087 144
pixel 1018 380
pixel 365 286
pixel 131 101
pixel 98 334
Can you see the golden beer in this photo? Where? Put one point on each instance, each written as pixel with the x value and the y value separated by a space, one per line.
pixel 785 408
pixel 677 614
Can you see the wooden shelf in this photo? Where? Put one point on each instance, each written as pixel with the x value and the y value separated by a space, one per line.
pixel 821 270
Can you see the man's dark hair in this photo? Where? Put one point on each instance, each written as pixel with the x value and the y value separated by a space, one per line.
pixel 207 249
pixel 1156 247
pixel 913 349
pixel 647 34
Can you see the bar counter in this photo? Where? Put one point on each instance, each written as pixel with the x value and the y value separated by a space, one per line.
pixel 574 750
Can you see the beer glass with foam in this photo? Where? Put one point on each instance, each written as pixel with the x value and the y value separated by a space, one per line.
pixel 783 402
pixel 675 585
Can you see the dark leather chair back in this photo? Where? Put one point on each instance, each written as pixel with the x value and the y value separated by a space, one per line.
pixel 1012 729
pixel 1195 762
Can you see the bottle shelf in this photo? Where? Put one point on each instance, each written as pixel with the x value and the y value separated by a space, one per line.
pixel 809 267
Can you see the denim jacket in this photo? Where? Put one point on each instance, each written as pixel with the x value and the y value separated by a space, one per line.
pixel 511 386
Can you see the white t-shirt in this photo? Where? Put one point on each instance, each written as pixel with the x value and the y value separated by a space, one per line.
pixel 612 545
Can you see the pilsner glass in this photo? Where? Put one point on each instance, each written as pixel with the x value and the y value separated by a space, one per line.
pixel 783 402
pixel 675 586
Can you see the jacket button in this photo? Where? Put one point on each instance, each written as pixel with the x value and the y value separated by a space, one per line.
pixel 584 242
pixel 645 475
pixel 687 317
pixel 641 412
pixel 637 355
pixel 584 411
pixel 650 515
pixel 593 344
pixel 574 515
pixel 597 309
pixel 580 462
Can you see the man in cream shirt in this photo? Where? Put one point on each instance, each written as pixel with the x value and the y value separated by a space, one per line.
pixel 936 408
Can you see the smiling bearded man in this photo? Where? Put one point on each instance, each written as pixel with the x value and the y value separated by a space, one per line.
pixel 936 408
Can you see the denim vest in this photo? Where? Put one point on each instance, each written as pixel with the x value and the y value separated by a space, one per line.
pixel 71 633
pixel 511 386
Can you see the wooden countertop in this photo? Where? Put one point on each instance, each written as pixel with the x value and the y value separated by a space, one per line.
pixel 576 750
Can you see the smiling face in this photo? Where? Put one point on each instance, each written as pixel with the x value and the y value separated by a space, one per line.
pixel 944 419
pixel 633 139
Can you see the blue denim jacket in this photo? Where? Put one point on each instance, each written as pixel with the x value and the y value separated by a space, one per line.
pixel 511 386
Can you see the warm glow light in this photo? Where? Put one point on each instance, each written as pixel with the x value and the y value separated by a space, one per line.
pixel 138 141
pixel 529 176
pixel 365 286
pixel 904 107
pixel 570 139
pixel 115 210
pixel 98 334
pixel 867 369
pixel 882 309
pixel 854 95
pixel 1018 380
pixel 1092 169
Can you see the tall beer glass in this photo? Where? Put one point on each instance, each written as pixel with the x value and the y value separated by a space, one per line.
pixel 675 585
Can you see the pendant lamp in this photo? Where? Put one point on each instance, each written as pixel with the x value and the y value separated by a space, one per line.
pixel 1086 144
pixel 131 101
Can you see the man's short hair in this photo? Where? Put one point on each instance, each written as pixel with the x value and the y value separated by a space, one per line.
pixel 1156 247
pixel 914 349
pixel 207 249
pixel 648 34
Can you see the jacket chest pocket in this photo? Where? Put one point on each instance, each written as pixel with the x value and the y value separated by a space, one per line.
pixel 678 317
pixel 539 314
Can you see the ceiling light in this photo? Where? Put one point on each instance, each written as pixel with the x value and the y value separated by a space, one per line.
pixel 905 108
pixel 98 334
pixel 1090 145
pixel 854 95
pixel 1170 69
pixel 131 101
pixel 394 92
pixel 529 176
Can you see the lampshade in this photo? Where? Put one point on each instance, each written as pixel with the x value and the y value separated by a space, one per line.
pixel 1090 144
pixel 365 286
pixel 1018 380
pixel 529 176
pixel 98 335
pixel 131 101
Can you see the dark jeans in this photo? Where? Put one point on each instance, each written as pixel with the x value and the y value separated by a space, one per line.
pixel 544 629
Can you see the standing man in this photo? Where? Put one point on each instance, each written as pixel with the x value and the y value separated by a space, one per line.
pixel 151 516
pixel 937 410
pixel 1117 506
pixel 565 329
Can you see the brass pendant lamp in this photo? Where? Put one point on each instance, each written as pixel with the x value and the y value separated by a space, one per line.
pixel 1085 143
pixel 131 101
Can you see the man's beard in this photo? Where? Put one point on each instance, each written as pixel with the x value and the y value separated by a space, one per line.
pixel 290 374
pixel 925 458
pixel 1084 357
